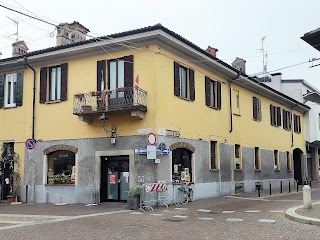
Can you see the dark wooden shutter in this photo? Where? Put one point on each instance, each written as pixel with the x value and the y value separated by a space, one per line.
pixel 19 89
pixel 271 115
pixel 43 84
pixel 299 124
pixel 284 114
pixel 207 90
pixel 128 71
pixel 290 121
pixel 259 109
pixel 1 90
pixel 64 81
pixel 176 79
pixel 101 73
pixel 192 86
pixel 278 116
pixel 255 108
pixel 218 95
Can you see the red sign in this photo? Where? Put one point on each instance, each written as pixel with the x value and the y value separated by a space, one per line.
pixel 113 179
pixel 152 139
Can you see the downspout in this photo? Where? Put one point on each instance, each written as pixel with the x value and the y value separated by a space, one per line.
pixel 230 100
pixel 34 94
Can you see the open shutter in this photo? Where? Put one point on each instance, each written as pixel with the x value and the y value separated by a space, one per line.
pixel 176 79
pixel 207 90
pixel 278 116
pixel 1 90
pixel 255 108
pixel 101 75
pixel 299 124
pixel 259 109
pixel 271 115
pixel 290 121
pixel 128 71
pixel 192 87
pixel 284 116
pixel 218 95
pixel 43 85
pixel 19 89
pixel 64 81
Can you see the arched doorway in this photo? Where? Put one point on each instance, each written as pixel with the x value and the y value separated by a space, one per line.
pixel 182 165
pixel 297 164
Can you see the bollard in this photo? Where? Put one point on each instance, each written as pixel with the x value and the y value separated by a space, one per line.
pixel 297 185
pixel 281 187
pixel 289 186
pixel 270 187
pixel 307 196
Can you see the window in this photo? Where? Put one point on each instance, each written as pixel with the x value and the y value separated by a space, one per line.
pixel 116 77
pixel 256 109
pixel 286 119
pixel 288 161
pixel 213 93
pixel 296 123
pixel 184 82
pixel 54 87
pixel 257 161
pixel 61 168
pixel 213 153
pixel 181 165
pixel 11 89
pixel 275 115
pixel 276 160
pixel 237 156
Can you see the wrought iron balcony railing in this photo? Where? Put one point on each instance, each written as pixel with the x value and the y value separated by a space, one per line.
pixel 110 101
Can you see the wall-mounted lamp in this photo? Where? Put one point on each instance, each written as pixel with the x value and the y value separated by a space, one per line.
pixel 104 125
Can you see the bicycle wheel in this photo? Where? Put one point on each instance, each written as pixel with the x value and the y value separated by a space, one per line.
pixel 190 194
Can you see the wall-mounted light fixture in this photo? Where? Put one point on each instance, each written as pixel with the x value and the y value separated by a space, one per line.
pixel 104 125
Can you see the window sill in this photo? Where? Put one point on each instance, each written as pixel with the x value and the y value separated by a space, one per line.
pixel 10 106
pixel 187 99
pixel 257 120
pixel 50 102
pixel 215 108
pixel 236 114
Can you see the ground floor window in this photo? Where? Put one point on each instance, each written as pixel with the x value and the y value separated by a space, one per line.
pixel 61 167
pixel 181 165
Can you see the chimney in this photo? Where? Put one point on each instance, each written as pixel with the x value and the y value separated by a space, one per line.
pixel 19 48
pixel 212 51
pixel 71 33
pixel 239 64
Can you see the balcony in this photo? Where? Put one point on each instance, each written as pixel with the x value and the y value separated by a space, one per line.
pixel 116 100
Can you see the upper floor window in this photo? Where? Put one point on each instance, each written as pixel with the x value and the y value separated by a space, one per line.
pixel 275 115
pixel 54 87
pixel 213 93
pixel 256 109
pixel 184 82
pixel 286 119
pixel 116 76
pixel 297 123
pixel 11 90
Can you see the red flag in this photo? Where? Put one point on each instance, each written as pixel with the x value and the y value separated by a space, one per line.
pixel 136 83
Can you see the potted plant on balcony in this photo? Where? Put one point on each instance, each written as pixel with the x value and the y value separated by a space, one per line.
pixel 134 198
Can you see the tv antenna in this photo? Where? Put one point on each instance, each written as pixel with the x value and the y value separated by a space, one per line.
pixel 264 58
pixel 17 32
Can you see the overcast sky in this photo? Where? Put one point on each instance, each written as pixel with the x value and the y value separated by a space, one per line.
pixel 235 27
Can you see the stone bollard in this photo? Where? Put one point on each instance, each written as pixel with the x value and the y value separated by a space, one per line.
pixel 307 196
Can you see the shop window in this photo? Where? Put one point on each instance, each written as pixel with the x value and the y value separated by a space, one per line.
pixel 276 160
pixel 257 160
pixel 61 168
pixel 237 157
pixel 181 165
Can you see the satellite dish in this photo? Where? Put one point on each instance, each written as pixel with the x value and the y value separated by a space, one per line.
pixel 162 146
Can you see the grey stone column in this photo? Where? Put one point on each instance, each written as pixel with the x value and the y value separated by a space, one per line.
pixel 315 163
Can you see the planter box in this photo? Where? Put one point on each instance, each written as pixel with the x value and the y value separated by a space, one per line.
pixel 11 199
pixel 133 203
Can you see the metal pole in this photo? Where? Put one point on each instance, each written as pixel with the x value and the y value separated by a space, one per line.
pixel 289 186
pixel 281 187
pixel 270 187
pixel 297 185
pixel 26 193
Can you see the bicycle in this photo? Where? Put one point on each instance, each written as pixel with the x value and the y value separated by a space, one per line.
pixel 185 194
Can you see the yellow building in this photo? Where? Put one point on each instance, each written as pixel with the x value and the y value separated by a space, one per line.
pixel 91 105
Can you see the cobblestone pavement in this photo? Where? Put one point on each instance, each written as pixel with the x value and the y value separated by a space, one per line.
pixel 236 217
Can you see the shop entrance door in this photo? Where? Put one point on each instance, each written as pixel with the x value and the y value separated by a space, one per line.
pixel 114 178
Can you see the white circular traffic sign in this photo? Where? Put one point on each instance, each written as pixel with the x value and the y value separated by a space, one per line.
pixel 152 139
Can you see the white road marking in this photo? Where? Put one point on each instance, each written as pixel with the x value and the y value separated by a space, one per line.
pixel 234 219
pixel 266 220
pixel 156 214
pixel 206 219
pixel 204 210
pixel 253 211
pixel 180 216
pixel 135 213
pixel 276 211
pixel 228 211
pixel 181 208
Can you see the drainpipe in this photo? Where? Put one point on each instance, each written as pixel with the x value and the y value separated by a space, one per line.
pixel 34 94
pixel 33 171
pixel 230 100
